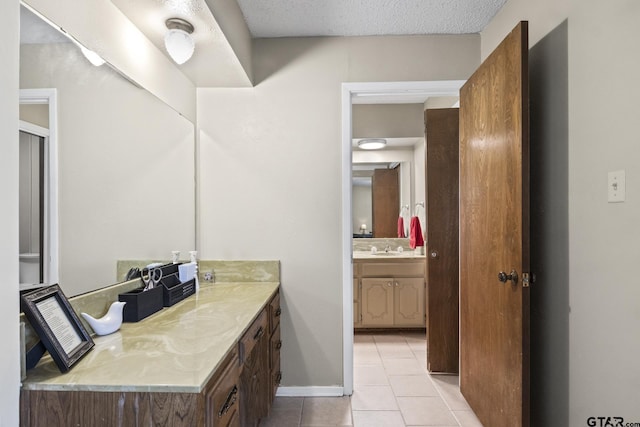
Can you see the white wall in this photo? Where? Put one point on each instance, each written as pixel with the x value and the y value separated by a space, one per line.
pixel 604 238
pixel 419 183
pixel 387 120
pixel 543 16
pixel 270 172
pixel 9 357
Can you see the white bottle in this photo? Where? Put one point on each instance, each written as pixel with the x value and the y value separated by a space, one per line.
pixel 193 258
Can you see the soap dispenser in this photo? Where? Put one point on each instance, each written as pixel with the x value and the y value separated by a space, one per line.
pixel 193 258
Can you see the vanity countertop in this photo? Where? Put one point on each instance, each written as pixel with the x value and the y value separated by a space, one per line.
pixel 406 254
pixel 175 350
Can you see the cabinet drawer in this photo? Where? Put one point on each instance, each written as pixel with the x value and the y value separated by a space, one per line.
pixel 222 395
pixel 274 312
pixel 250 338
pixel 393 269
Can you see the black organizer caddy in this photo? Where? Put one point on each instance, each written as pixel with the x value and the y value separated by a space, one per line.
pixel 174 291
pixel 140 304
pixel 167 293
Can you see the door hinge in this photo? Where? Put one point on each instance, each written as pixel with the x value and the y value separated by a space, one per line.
pixel 528 279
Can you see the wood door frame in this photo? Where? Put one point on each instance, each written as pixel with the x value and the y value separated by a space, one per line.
pixel 383 92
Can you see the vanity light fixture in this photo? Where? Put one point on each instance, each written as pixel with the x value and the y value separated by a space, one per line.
pixel 91 56
pixel 372 143
pixel 178 40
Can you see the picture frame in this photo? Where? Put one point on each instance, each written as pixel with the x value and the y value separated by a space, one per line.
pixel 57 325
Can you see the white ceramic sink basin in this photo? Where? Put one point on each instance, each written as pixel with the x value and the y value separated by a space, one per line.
pixel 390 253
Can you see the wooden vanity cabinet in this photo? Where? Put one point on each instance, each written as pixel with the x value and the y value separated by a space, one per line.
pixel 275 312
pixel 260 364
pixel 222 395
pixel 391 294
pixel 217 405
pixel 255 393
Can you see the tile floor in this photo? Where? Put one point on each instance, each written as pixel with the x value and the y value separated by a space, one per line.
pixel 391 388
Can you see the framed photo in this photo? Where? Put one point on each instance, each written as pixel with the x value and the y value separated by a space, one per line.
pixel 57 325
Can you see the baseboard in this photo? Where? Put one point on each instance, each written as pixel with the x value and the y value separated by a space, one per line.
pixel 310 391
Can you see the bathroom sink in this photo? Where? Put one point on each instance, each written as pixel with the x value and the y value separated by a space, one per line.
pixel 390 253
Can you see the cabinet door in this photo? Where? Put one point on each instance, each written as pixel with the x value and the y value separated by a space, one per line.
pixel 255 381
pixel 377 302
pixel 356 304
pixel 409 302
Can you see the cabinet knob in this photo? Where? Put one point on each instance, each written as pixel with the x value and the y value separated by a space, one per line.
pixel 389 284
pixel 259 334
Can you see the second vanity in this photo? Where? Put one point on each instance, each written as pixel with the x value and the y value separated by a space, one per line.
pixel 389 289
pixel 212 359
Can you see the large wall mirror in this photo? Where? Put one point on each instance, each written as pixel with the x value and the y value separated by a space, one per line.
pixel 390 181
pixel 125 181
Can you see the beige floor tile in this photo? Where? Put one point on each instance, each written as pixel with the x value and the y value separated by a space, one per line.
pixel 287 403
pixel 412 385
pixel 403 367
pixel 369 375
pixel 326 411
pixel 373 398
pixel 285 412
pixel 366 357
pixel 283 418
pixel 362 338
pixel 425 411
pixel 396 350
pixel 449 388
pixel 377 419
pixel 367 345
pixel 467 418
pixel 420 353
pixel 390 337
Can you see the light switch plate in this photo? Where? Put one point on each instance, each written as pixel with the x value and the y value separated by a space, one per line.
pixel 616 187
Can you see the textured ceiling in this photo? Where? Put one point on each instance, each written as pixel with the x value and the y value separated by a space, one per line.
pixel 293 18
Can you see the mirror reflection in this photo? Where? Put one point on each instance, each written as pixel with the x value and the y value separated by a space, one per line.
pixel 113 178
pixel 387 182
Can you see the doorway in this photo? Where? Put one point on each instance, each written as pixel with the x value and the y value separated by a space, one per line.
pixel 374 92
pixel 38 258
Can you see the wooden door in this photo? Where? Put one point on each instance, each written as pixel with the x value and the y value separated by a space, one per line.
pixel 376 298
pixel 442 136
pixel 408 302
pixel 385 202
pixel 494 235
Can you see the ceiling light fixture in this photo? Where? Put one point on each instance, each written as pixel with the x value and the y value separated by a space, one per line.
pixel 372 143
pixel 178 40
pixel 91 56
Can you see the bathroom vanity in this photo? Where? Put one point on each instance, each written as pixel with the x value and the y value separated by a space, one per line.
pixel 210 360
pixel 389 290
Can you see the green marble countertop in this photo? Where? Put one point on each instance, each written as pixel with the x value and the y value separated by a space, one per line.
pixel 174 350
pixel 381 254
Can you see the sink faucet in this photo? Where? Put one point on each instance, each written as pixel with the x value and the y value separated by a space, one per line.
pixel 387 248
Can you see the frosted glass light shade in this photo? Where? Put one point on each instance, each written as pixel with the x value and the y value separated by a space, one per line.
pixel 91 56
pixel 179 44
pixel 372 143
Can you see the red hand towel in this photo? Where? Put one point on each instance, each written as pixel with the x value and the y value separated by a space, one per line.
pixel 415 233
pixel 401 227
